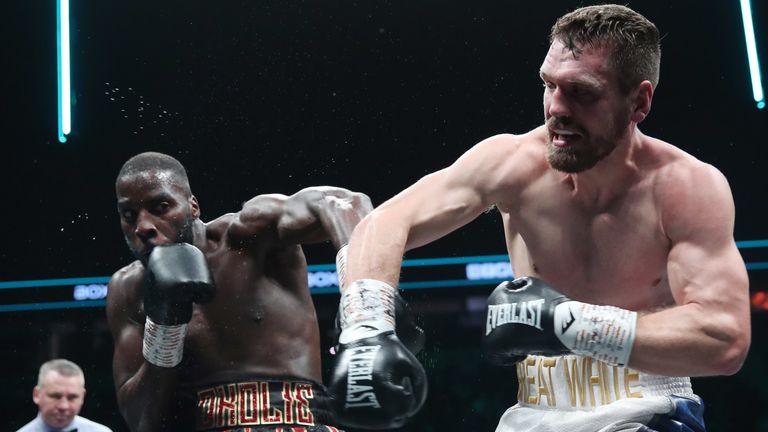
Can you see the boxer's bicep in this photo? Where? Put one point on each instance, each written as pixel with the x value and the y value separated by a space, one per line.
pixel 704 264
pixel 127 332
pixel 431 208
pixel 710 287
pixel 706 272
pixel 437 205
pixel 707 331
pixel 127 355
pixel 320 213
pixel 257 220
pixel 450 198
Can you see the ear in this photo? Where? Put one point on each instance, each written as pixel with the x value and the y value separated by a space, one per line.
pixel 642 101
pixel 195 206
pixel 36 395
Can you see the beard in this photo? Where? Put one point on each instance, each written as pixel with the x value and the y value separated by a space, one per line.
pixel 185 235
pixel 587 152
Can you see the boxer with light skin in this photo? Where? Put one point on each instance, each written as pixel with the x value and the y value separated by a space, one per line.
pixel 213 312
pixel 632 281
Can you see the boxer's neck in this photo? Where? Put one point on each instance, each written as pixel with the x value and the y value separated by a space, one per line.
pixel 199 234
pixel 612 176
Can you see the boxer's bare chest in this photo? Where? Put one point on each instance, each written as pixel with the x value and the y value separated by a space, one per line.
pixel 261 302
pixel 247 282
pixel 613 252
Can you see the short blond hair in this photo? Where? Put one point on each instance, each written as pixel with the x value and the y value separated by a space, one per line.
pixel 63 367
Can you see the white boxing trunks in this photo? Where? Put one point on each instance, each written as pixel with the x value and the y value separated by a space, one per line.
pixel 579 394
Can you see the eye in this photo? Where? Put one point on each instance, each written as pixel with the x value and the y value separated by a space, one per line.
pixel 584 94
pixel 580 91
pixel 162 207
pixel 128 215
pixel 548 85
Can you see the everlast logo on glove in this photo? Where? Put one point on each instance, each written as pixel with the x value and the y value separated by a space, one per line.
pixel 526 312
pixel 359 378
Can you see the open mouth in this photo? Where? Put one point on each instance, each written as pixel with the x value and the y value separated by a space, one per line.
pixel 563 137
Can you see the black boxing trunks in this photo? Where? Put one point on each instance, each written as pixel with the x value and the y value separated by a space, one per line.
pixel 264 405
pixel 316 428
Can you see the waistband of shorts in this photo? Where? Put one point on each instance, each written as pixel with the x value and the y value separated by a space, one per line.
pixel 315 428
pixel 575 382
pixel 264 404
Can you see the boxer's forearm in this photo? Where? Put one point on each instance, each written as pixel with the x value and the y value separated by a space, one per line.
pixel 690 340
pixel 145 400
pixel 436 205
pixel 376 249
pixel 339 213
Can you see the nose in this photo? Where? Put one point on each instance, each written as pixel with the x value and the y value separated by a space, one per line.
pixel 556 104
pixel 64 404
pixel 145 226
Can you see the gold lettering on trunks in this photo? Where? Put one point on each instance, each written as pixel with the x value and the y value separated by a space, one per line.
pixel 585 382
pixel 576 380
pixel 545 384
pixel 631 376
pixel 530 380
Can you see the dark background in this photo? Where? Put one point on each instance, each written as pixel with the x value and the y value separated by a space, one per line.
pixel 273 96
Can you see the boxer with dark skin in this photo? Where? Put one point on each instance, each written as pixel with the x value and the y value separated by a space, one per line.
pixel 259 325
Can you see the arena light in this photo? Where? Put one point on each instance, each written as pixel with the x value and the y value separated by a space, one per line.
pixel 54 282
pixel 62 63
pixel 749 244
pixel 754 64
pixel 759 300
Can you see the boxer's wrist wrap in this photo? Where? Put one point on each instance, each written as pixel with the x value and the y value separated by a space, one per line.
pixel 341 265
pixel 605 333
pixel 367 309
pixel 163 344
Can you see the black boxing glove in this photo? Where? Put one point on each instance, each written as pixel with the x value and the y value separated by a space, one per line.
pixel 176 276
pixel 409 333
pixel 377 383
pixel 406 328
pixel 527 316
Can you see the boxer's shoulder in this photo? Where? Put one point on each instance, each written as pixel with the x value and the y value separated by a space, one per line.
pixel 217 228
pixel 669 162
pixel 496 161
pixel 130 275
pixel 125 291
pixel 679 179
pixel 237 227
pixel 505 165
pixel 523 152
pixel 505 143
